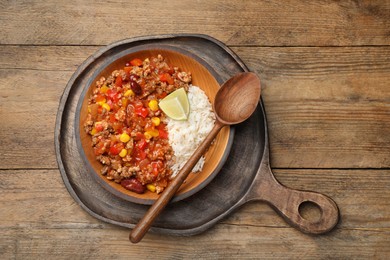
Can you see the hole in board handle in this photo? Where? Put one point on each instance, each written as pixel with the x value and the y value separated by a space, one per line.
pixel 310 211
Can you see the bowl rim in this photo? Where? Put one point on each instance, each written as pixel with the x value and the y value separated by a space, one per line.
pixel 108 61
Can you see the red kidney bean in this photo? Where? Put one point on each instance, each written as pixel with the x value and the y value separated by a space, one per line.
pixel 136 87
pixel 133 185
pixel 133 77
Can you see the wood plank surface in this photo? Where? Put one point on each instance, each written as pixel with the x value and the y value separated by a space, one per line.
pixel 318 101
pixel 325 71
pixel 50 223
pixel 266 23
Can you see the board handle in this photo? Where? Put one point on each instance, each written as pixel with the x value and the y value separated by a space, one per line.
pixel 287 203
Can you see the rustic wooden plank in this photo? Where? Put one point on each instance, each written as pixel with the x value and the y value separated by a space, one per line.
pixel 265 23
pixel 223 242
pixel 45 58
pixel 39 198
pixel 318 101
pixel 40 220
pixel 28 108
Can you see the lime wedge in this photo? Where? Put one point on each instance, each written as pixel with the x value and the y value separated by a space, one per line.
pixel 176 105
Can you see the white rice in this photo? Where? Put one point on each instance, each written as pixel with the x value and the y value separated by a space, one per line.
pixel 185 136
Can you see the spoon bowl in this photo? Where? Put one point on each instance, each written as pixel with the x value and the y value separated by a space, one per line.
pixel 234 102
pixel 237 99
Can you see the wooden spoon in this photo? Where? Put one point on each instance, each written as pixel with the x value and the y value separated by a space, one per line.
pixel 235 101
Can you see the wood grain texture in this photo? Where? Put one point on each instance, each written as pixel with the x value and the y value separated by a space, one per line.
pixel 265 23
pixel 324 67
pixel 318 102
pixel 50 224
pixel 363 202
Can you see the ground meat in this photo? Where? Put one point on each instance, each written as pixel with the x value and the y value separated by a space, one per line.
pixel 125 136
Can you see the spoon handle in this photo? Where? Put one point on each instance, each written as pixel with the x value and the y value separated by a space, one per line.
pixel 144 224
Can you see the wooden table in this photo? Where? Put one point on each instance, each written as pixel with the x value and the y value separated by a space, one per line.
pixel 325 70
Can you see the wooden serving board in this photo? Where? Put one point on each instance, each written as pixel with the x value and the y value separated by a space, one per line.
pixel 245 176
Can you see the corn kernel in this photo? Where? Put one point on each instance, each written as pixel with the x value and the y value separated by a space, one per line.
pixel 106 106
pixel 125 101
pixel 123 153
pixel 129 93
pixel 153 105
pixel 93 131
pixel 124 138
pixel 154 132
pixel 156 121
pixel 151 187
pixel 104 89
pixel 148 136
pixel 151 133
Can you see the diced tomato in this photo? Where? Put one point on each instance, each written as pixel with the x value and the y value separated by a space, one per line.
pixel 113 95
pixel 157 166
pixel 163 134
pixel 100 98
pixel 166 77
pixel 118 81
pixel 139 154
pixel 116 148
pixel 127 70
pixel 112 118
pixel 136 62
pixel 141 144
pixel 138 136
pixel 117 126
pixel 113 106
pixel 141 111
pixel 99 148
pixel 99 127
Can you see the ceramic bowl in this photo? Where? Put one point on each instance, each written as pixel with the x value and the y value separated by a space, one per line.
pixel 202 76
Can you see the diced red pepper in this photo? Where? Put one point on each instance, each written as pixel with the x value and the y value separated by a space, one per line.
pixel 142 144
pixel 141 111
pixel 166 77
pixel 113 95
pixel 112 118
pixel 127 70
pixel 118 81
pixel 136 62
pixel 138 136
pixel 116 148
pixel 163 134
pixel 157 166
pixel 139 154
pixel 100 98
